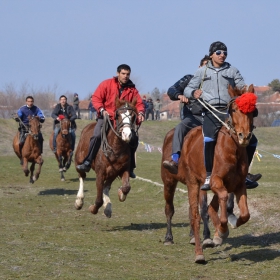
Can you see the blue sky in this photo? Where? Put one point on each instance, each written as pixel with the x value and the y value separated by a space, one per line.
pixel 74 45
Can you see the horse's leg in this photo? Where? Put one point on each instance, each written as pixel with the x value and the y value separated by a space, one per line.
pixel 69 159
pixel 99 193
pixel 193 190
pixel 241 199
pixel 32 167
pixel 230 205
pixel 40 162
pixel 207 241
pixel 59 159
pixel 221 226
pixel 80 195
pixel 169 190
pixel 106 198
pixel 125 188
pixel 25 166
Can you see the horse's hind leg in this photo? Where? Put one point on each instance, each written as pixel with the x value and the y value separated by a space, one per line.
pixel 125 188
pixel 230 205
pixel 106 198
pixel 207 241
pixel 32 167
pixel 80 195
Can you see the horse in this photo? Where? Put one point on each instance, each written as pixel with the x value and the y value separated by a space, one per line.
pixel 64 151
pixel 230 168
pixel 31 149
pixel 112 159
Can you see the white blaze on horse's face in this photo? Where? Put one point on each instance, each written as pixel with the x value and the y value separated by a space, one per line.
pixel 126 131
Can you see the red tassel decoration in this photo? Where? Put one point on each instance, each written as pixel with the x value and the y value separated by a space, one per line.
pixel 246 102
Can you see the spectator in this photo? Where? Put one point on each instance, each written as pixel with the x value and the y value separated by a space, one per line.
pixel 76 106
pixel 145 102
pixel 157 107
pixel 150 109
pixel 92 111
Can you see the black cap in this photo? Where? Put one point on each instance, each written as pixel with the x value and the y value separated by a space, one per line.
pixel 217 46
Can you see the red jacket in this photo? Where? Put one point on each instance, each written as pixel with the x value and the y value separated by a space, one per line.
pixel 106 93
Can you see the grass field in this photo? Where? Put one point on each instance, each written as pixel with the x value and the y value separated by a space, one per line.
pixel 42 236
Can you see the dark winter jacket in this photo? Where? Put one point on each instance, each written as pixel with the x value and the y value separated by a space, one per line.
pixel 24 111
pixel 68 112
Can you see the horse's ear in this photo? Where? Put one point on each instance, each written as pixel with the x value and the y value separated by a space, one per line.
pixel 117 101
pixel 251 88
pixel 231 91
pixel 134 101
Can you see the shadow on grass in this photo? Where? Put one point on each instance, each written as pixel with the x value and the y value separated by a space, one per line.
pixel 150 226
pixel 59 192
pixel 252 254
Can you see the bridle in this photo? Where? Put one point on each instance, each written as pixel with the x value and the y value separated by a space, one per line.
pixel 64 132
pixel 128 114
pixel 28 128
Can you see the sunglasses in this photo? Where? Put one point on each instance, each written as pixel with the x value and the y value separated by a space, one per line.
pixel 221 52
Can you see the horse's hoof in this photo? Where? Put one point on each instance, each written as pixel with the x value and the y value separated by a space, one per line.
pixel 217 240
pixel 31 181
pixel 208 243
pixel 168 242
pixel 79 203
pixel 108 210
pixel 60 170
pixel 93 209
pixel 199 259
pixel 121 195
pixel 232 220
pixel 62 179
pixel 192 241
pixel 223 235
pixel 64 169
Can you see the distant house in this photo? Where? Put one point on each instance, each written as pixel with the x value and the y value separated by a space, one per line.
pixel 84 112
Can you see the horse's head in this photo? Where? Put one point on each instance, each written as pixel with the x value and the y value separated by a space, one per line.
pixel 126 114
pixel 34 126
pixel 65 125
pixel 241 109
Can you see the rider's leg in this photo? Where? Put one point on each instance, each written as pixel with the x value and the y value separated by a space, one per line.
pixel 95 142
pixel 252 178
pixel 73 139
pixel 181 130
pixel 133 147
pixel 56 131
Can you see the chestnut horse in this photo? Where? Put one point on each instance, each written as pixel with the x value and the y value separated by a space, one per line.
pixel 112 159
pixel 230 168
pixel 64 151
pixel 31 150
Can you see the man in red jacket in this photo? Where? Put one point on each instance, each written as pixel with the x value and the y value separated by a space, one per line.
pixel 103 100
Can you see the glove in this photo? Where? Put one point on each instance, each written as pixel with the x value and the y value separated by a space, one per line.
pixel 17 119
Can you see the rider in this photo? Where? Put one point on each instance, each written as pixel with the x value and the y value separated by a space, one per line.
pixel 66 110
pixel 192 117
pixel 22 117
pixel 103 99
pixel 211 84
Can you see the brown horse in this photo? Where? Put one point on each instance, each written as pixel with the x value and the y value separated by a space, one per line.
pixel 228 175
pixel 112 159
pixel 31 150
pixel 64 151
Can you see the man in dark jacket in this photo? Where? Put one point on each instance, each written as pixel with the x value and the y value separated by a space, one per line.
pixel 63 108
pixel 22 117
pixel 150 109
pixel 76 105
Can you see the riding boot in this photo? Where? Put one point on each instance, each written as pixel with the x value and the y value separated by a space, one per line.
pixel 209 150
pixel 251 178
pixel 73 140
pixel 20 152
pixel 93 150
pixel 133 147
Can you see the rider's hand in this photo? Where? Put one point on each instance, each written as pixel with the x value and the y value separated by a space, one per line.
pixel 104 113
pixel 140 118
pixel 183 98
pixel 197 93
